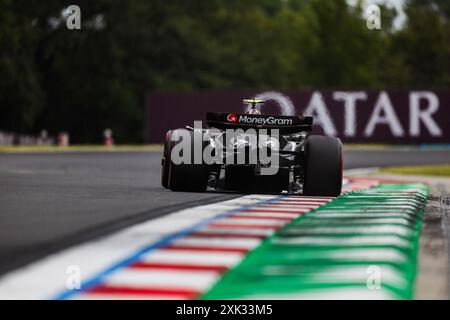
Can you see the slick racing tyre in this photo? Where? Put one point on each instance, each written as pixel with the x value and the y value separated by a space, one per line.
pixel 184 176
pixel 323 165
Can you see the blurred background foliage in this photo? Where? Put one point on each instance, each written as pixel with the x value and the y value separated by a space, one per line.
pixel 85 80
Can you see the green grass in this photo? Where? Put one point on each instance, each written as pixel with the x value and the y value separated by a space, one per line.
pixel 81 148
pixel 441 170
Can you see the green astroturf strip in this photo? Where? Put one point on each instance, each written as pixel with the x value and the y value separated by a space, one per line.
pixel 362 245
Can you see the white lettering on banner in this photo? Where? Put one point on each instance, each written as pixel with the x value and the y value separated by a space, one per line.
pixel 349 99
pixel 416 115
pixel 384 114
pixel 317 109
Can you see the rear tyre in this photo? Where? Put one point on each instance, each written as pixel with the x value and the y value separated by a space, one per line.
pixel 166 160
pixel 323 166
pixel 188 177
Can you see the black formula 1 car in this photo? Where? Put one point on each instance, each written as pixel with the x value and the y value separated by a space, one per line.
pixel 253 153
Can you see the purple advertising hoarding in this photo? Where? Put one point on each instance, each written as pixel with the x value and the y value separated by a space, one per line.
pixel 391 116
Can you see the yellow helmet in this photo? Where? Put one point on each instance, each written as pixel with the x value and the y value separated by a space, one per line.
pixel 253 105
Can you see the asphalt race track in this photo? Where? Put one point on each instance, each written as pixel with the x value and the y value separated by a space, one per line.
pixel 50 201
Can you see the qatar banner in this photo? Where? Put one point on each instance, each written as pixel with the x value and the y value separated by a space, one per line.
pixel 389 116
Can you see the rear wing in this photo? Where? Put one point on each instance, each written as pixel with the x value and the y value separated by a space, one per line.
pixel 285 124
